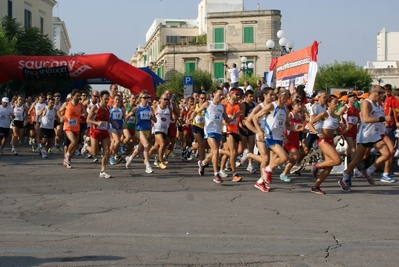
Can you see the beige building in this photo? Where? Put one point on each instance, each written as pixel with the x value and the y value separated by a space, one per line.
pixel 31 13
pixel 38 13
pixel 230 35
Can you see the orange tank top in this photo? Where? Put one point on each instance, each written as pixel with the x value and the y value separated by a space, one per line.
pixel 230 110
pixel 72 117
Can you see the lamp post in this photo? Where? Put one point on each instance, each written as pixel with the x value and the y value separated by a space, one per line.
pixel 285 45
pixel 246 68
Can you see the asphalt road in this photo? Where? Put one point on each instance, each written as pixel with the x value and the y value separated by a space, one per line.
pixel 53 216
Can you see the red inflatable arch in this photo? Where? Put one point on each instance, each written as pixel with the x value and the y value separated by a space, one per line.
pixel 77 68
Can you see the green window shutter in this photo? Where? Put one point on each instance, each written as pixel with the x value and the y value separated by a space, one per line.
pixel 162 73
pixel 218 36
pixel 218 70
pixel 248 35
pixel 190 67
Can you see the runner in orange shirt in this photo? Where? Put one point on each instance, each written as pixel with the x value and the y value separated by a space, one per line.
pixel 70 113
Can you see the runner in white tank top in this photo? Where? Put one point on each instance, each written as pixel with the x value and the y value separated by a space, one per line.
pixel 214 115
pixel 276 120
pixel 370 135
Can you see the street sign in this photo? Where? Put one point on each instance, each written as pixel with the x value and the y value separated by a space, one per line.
pixel 188 85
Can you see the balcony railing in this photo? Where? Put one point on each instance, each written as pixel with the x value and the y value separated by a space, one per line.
pixel 215 47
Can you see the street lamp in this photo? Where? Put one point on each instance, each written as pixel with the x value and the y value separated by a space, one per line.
pixel 246 68
pixel 285 45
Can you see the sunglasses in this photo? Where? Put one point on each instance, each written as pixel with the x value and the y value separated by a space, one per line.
pixel 237 94
pixel 202 98
pixel 166 99
pixel 146 97
pixel 84 95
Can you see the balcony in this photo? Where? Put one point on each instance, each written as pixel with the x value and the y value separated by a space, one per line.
pixel 217 47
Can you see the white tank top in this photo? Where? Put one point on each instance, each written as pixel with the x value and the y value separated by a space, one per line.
pixel 19 113
pixel 275 123
pixel 262 119
pixel 163 120
pixel 370 132
pixel 38 107
pixel 330 123
pixel 48 119
pixel 213 118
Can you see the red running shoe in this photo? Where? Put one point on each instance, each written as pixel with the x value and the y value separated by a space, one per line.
pixel 368 177
pixel 262 187
pixel 268 176
pixel 316 190
pixel 217 179
pixel 343 185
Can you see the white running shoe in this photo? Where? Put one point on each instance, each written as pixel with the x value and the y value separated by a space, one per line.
pixel 223 174
pixel 104 175
pixel 44 153
pixel 128 161
pixel 251 169
pixel 396 154
pixel 148 169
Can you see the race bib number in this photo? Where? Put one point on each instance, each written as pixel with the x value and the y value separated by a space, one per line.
pixel 131 120
pixel 376 130
pixel 280 123
pixel 199 120
pixel 116 116
pixel 352 120
pixel 234 121
pixel 217 117
pixel 161 128
pixel 103 126
pixel 72 122
pixel 145 115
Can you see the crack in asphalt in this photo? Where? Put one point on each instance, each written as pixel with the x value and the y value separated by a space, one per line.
pixel 332 247
pixel 234 198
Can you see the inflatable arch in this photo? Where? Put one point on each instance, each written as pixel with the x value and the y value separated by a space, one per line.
pixel 77 68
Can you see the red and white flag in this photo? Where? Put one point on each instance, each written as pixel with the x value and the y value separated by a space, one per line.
pixel 313 67
pixel 271 71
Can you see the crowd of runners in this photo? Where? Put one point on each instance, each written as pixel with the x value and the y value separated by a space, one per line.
pixel 265 129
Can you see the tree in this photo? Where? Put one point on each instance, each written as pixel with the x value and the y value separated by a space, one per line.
pixel 18 40
pixel 251 79
pixel 7 46
pixel 175 84
pixel 345 74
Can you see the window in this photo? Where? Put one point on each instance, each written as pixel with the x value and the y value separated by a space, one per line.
pixel 248 35
pixel 218 71
pixel 171 40
pixel 218 37
pixel 41 25
pixel 190 67
pixel 9 12
pixel 28 18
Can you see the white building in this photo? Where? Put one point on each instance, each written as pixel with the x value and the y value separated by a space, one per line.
pixel 386 68
pixel 60 36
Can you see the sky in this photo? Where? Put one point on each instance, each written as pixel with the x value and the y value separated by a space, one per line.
pixel 347 29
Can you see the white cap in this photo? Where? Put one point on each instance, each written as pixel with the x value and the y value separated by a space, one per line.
pixel 5 99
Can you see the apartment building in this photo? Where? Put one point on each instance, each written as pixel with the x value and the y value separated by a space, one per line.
pixel 35 13
pixel 222 33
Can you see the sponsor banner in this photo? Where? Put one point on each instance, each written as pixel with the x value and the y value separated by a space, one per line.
pixel 46 73
pixel 297 67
